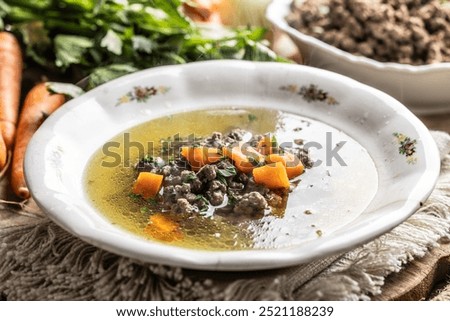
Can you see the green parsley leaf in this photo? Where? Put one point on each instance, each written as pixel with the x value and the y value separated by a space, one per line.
pixel 93 37
pixel 70 49
pixel 135 197
pixel 112 42
pixel 227 172
pixel 103 74
pixel 4 10
pixel 82 5
pixel 143 44
pixel 36 39
pixel 222 180
pixel 252 117
pixel 190 178
pixel 66 89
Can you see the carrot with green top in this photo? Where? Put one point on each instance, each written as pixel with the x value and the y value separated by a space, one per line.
pixel 10 83
pixel 38 105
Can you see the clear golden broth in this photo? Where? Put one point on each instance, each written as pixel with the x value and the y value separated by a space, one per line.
pixel 328 197
pixel 109 187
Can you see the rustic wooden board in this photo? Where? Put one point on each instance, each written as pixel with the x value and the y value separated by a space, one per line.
pixel 419 278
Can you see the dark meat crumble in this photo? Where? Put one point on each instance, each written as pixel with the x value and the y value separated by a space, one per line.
pixel 219 184
pixel 412 32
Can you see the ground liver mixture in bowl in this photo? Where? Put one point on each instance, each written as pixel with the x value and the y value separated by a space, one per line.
pixel 415 32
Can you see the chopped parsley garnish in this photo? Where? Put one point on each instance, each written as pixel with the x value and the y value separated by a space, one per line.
pixel 252 117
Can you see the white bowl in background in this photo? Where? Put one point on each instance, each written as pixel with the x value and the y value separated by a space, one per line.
pixel 424 89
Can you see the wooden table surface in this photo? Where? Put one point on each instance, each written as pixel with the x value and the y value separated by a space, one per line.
pixel 437 122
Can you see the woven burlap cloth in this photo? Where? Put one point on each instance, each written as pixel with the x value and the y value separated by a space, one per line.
pixel 41 261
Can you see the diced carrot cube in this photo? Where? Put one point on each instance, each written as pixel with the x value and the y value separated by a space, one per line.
pixel 148 184
pixel 163 228
pixel 200 156
pixel 294 166
pixel 273 176
pixel 245 158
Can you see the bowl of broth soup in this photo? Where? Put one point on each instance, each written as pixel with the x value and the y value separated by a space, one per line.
pixel 231 165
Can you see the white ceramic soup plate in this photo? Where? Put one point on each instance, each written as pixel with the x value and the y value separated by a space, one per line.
pixel 399 172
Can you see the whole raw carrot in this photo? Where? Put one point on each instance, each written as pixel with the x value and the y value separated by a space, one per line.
pixel 38 104
pixel 3 153
pixel 10 82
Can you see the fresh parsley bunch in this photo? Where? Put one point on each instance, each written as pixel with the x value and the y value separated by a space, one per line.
pixel 108 38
